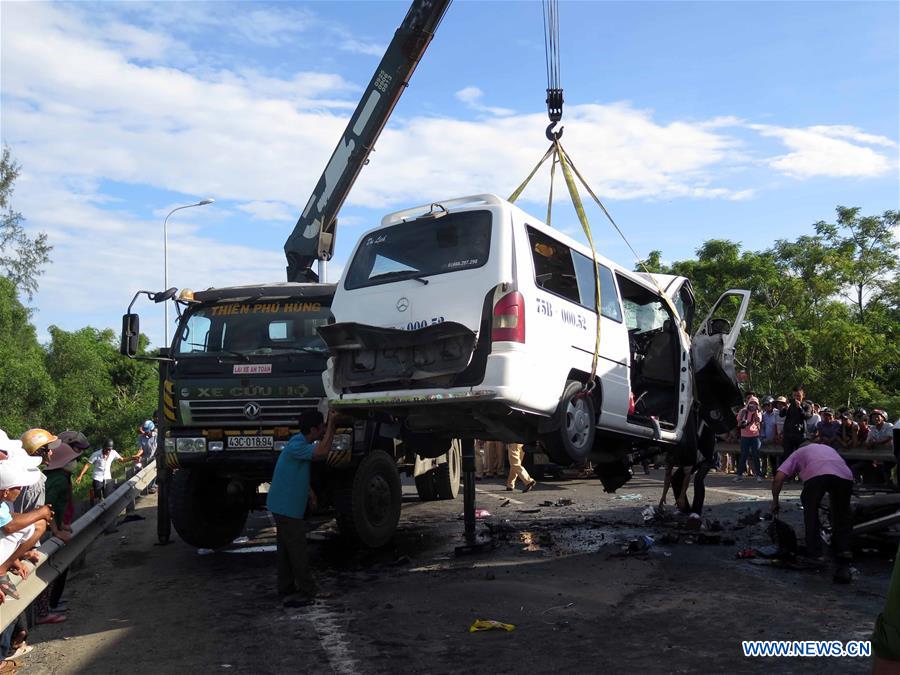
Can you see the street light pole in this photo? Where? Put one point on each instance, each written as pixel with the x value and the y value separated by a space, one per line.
pixel 202 202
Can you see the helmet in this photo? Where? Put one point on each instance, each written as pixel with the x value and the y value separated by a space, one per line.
pixel 879 411
pixel 827 411
pixel 108 444
pixel 781 399
pixel 767 400
pixel 35 439
pixel 861 412
pixel 148 426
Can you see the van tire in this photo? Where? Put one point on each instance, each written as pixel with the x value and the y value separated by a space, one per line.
pixel 200 511
pixel 370 518
pixel 447 475
pixel 575 417
pixel 425 486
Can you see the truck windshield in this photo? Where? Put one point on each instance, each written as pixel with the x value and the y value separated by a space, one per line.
pixel 249 328
pixel 421 248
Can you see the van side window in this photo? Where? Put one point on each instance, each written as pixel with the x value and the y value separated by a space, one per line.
pixel 553 267
pixel 609 297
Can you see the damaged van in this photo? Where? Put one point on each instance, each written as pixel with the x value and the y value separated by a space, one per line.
pixel 471 318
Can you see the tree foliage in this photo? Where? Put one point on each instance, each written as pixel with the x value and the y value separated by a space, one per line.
pixel 22 256
pixel 824 310
pixel 77 381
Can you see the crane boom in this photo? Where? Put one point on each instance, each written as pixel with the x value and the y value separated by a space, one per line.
pixel 314 234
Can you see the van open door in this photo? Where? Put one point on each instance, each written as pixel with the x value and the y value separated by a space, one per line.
pixel 712 358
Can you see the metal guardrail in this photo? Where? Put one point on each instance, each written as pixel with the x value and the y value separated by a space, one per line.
pixel 56 556
pixel 853 454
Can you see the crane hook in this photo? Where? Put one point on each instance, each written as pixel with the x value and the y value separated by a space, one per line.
pixel 553 136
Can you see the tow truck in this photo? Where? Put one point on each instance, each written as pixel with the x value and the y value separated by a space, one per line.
pixel 246 360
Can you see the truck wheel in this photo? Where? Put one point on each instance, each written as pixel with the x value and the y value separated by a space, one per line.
pixel 573 440
pixel 425 486
pixel 447 475
pixel 200 510
pixel 371 516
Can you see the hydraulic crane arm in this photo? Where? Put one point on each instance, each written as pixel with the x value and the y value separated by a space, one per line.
pixel 314 233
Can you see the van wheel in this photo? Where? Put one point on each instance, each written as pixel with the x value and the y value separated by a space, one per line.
pixel 371 516
pixel 575 417
pixel 447 475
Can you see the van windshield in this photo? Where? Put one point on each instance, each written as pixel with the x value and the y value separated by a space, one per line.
pixel 421 248
pixel 254 328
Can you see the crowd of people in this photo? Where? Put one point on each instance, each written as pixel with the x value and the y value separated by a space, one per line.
pixel 784 423
pixel 36 503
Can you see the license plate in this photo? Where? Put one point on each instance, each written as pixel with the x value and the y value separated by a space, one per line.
pixel 254 442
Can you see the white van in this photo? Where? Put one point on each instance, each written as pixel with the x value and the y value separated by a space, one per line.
pixel 471 318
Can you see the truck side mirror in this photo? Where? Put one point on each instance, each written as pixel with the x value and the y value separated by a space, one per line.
pixel 162 296
pixel 131 332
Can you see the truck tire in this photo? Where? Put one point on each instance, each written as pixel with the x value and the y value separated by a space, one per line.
pixel 576 417
pixel 425 486
pixel 370 517
pixel 200 511
pixel 447 475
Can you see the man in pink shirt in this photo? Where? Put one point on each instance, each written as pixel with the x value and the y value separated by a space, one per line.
pixel 822 471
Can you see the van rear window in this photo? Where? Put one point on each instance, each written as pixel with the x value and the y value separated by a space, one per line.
pixel 421 248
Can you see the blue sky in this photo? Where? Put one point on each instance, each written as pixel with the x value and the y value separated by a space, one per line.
pixel 746 121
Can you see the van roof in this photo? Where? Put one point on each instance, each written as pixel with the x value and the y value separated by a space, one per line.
pixel 479 201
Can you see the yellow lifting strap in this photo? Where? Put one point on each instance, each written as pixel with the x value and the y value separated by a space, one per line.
pixel 559 155
pixel 637 259
pixel 568 167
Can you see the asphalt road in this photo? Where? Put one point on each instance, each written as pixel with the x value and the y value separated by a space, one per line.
pixel 558 571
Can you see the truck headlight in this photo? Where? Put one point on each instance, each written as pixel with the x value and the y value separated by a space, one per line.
pixel 341 442
pixel 216 446
pixel 191 444
pixel 170 445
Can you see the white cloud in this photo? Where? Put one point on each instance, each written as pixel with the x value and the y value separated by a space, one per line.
pixel 828 151
pixel 359 47
pixel 271 211
pixel 624 153
pixel 472 96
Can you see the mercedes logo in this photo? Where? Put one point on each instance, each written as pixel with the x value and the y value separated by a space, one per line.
pixel 252 410
pixel 402 305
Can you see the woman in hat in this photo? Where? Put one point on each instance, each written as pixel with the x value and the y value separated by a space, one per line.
pixel 59 497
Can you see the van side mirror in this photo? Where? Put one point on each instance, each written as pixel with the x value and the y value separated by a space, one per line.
pixel 131 332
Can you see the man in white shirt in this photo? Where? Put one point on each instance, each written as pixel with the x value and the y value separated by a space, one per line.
pixel 101 464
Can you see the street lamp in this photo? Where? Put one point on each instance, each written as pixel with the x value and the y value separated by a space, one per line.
pixel 202 202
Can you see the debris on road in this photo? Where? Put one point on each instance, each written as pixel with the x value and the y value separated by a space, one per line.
pixel 490 624
pixel 750 518
pixel 640 544
pixel 630 497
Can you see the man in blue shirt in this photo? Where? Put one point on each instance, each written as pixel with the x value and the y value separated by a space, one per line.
pixel 288 494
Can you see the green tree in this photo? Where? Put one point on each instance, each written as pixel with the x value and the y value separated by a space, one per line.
pixel 863 252
pixel 26 389
pixel 799 329
pixel 100 393
pixel 22 257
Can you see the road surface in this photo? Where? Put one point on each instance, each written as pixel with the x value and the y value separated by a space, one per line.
pixel 559 571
